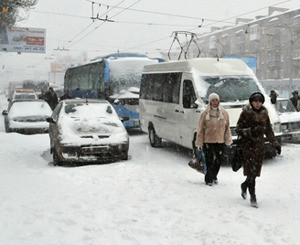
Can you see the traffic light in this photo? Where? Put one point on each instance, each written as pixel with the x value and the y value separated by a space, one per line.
pixel 4 9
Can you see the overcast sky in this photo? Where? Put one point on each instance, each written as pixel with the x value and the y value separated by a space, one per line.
pixel 143 26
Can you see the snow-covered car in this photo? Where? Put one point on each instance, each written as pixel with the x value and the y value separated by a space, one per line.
pixel 27 117
pixel 22 94
pixel 87 131
pixel 290 120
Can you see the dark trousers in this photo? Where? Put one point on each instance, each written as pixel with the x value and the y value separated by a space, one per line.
pixel 213 158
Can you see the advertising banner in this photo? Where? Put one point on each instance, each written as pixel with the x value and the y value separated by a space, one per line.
pixel 23 39
pixel 250 61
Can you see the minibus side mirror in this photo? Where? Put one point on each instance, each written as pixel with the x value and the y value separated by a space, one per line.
pixel 194 106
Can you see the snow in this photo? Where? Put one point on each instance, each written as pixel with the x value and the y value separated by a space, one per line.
pixel 92 119
pixel 153 198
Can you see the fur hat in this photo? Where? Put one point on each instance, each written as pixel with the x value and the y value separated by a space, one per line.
pixel 257 95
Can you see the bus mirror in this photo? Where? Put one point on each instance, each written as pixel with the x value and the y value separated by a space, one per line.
pixel 123 119
pixel 116 102
pixel 49 120
pixel 194 105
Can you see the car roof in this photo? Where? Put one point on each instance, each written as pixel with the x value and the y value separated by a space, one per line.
pixel 282 99
pixel 75 101
pixel 23 90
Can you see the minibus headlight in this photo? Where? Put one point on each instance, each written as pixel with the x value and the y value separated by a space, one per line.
pixel 277 127
pixel 284 127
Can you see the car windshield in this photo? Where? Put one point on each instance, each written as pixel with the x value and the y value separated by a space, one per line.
pixel 230 88
pixel 24 97
pixel 30 108
pixel 89 110
pixel 283 106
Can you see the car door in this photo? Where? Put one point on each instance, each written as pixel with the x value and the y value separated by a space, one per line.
pixel 189 113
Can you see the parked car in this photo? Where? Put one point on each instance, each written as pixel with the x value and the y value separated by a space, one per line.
pixel 22 94
pixel 27 117
pixel 290 120
pixel 86 131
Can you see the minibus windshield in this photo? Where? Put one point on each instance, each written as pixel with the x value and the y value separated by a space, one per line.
pixel 229 88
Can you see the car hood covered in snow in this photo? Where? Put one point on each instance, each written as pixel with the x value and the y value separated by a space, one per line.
pixel 92 128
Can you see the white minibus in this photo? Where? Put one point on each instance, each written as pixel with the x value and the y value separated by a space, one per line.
pixel 173 94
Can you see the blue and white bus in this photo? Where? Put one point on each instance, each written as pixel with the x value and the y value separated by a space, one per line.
pixel 115 77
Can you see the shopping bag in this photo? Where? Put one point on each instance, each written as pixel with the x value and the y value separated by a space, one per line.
pixel 198 162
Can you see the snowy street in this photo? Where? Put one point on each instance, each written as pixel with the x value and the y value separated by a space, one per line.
pixel 153 198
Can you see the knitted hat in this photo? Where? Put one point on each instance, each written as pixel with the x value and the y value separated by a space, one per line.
pixel 257 95
pixel 218 109
pixel 213 96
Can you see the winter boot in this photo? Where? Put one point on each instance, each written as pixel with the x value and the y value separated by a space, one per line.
pixel 252 194
pixel 253 201
pixel 244 187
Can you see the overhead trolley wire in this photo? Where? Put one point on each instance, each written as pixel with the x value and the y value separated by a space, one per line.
pixel 89 26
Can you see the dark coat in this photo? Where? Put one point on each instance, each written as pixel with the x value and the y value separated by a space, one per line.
pixel 251 127
pixel 65 96
pixel 295 102
pixel 51 99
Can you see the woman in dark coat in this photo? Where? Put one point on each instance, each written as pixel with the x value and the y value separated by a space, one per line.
pixel 253 124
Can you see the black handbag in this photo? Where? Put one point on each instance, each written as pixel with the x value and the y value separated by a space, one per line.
pixel 236 161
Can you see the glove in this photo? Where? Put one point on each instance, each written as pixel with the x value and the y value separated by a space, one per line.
pixel 246 131
pixel 278 149
pixel 257 130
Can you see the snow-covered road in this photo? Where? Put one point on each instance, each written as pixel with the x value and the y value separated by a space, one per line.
pixel 153 198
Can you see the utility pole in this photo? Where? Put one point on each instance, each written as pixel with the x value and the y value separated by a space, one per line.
pixel 291 50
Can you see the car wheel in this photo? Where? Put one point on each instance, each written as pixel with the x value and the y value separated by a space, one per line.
pixel 6 128
pixel 125 156
pixel 56 161
pixel 155 141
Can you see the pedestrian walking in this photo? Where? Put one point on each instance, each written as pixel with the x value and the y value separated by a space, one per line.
pixel 273 96
pixel 212 136
pixel 295 99
pixel 51 98
pixel 252 125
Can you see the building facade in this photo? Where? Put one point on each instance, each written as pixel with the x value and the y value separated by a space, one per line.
pixel 273 40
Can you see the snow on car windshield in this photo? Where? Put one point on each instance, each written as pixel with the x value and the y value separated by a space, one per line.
pixel 230 88
pixel 30 108
pixel 89 110
pixel 91 119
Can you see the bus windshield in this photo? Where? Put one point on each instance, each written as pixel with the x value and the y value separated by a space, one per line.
pixel 229 88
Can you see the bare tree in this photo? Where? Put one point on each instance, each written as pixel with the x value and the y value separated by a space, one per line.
pixel 11 11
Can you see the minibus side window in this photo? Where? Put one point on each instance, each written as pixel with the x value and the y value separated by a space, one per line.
pixel 176 80
pixel 171 88
pixel 189 96
pixel 157 90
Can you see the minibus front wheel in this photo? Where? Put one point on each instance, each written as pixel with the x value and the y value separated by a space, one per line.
pixel 155 141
